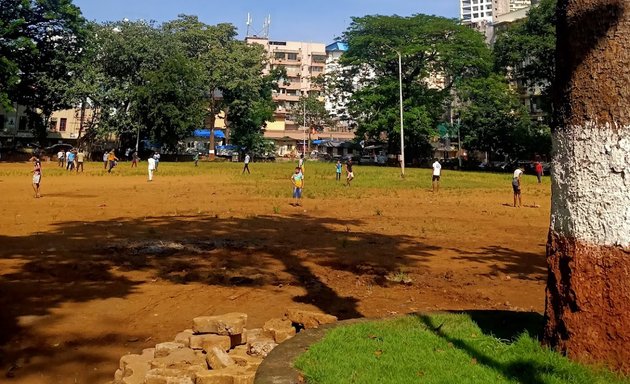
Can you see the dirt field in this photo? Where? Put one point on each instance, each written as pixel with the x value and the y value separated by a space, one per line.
pixel 103 265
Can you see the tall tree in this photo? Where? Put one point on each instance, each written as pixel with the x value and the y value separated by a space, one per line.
pixel 492 118
pixel 588 289
pixel 436 54
pixel 526 50
pixel 40 40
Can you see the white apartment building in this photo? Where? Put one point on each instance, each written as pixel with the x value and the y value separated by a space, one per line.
pixel 479 11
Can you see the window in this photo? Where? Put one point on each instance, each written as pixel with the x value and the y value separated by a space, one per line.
pixel 52 125
pixel 317 69
pixel 23 123
pixel 319 58
pixel 279 55
pixel 292 56
pixel 62 124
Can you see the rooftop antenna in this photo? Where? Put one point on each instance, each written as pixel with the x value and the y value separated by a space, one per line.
pixel 249 22
pixel 266 26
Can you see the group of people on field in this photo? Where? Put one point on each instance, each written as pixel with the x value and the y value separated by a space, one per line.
pixel 71 159
pixel 297 179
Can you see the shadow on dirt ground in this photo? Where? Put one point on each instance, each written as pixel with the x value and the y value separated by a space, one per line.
pixel 503 260
pixel 80 262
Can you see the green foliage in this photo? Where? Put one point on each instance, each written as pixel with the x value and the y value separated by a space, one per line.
pixel 492 118
pixel 39 42
pixel 526 50
pixel 440 348
pixel 431 47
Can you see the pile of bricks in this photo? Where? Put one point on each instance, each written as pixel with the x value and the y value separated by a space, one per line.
pixel 217 350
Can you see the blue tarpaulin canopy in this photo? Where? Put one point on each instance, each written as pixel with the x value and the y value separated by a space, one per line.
pixel 205 133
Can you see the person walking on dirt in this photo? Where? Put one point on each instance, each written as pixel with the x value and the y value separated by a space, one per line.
pixel 539 171
pixel 437 172
pixel 246 164
pixel 516 185
pixel 134 160
pixel 37 175
pixel 151 168
pixel 298 185
pixel 338 170
pixel 111 159
pixel 80 160
pixel 349 171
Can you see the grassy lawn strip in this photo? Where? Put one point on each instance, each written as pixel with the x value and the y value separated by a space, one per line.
pixel 441 348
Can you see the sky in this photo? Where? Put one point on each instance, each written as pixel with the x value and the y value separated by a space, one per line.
pixel 298 20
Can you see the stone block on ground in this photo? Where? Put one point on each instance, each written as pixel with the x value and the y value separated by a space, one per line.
pixel 228 324
pixel 169 376
pixel 279 329
pixel 214 377
pixel 253 334
pixel 133 368
pixel 184 337
pixel 218 359
pixel 209 341
pixel 309 319
pixel 164 349
pixel 181 359
pixel 261 347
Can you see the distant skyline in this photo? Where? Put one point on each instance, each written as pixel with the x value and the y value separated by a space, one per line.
pixel 310 21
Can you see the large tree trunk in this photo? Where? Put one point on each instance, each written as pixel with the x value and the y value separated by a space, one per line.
pixel 588 290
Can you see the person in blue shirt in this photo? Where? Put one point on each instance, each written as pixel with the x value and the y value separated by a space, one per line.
pixel 339 167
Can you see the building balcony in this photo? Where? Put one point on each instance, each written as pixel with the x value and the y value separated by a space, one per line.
pixel 285 97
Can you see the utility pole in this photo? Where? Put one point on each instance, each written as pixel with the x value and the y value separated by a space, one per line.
pixel 402 124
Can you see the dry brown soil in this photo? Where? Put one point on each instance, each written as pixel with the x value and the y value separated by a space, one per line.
pixel 106 265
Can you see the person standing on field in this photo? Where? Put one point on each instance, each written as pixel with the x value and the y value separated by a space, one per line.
pixel 37 175
pixel 437 172
pixel 301 163
pixel 349 171
pixel 70 155
pixel 134 160
pixel 196 158
pixel 151 162
pixel 338 170
pixel 105 156
pixel 61 157
pixel 539 171
pixel 246 164
pixel 80 160
pixel 298 185
pixel 156 157
pixel 516 185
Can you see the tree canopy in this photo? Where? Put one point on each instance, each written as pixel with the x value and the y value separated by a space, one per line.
pixel 436 54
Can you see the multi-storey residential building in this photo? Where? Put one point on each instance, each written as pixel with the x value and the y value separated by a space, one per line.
pixel 480 11
pixel 63 126
pixel 303 63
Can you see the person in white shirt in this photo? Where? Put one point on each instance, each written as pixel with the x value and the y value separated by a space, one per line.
pixel 516 185
pixel 151 162
pixel 246 166
pixel 156 157
pixel 437 171
pixel 61 156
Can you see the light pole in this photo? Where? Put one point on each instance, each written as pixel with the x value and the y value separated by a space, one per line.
pixel 402 124
pixel 402 121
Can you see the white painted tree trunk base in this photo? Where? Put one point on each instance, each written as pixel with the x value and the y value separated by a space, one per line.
pixel 591 184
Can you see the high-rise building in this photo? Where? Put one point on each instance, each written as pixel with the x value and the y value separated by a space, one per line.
pixel 478 11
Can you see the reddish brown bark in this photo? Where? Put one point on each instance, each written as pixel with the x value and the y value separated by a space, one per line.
pixel 588 302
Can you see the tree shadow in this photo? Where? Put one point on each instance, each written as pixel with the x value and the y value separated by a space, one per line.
pixel 81 262
pixel 503 260
pixel 494 323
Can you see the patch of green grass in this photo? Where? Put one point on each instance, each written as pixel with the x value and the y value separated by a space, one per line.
pixel 441 348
